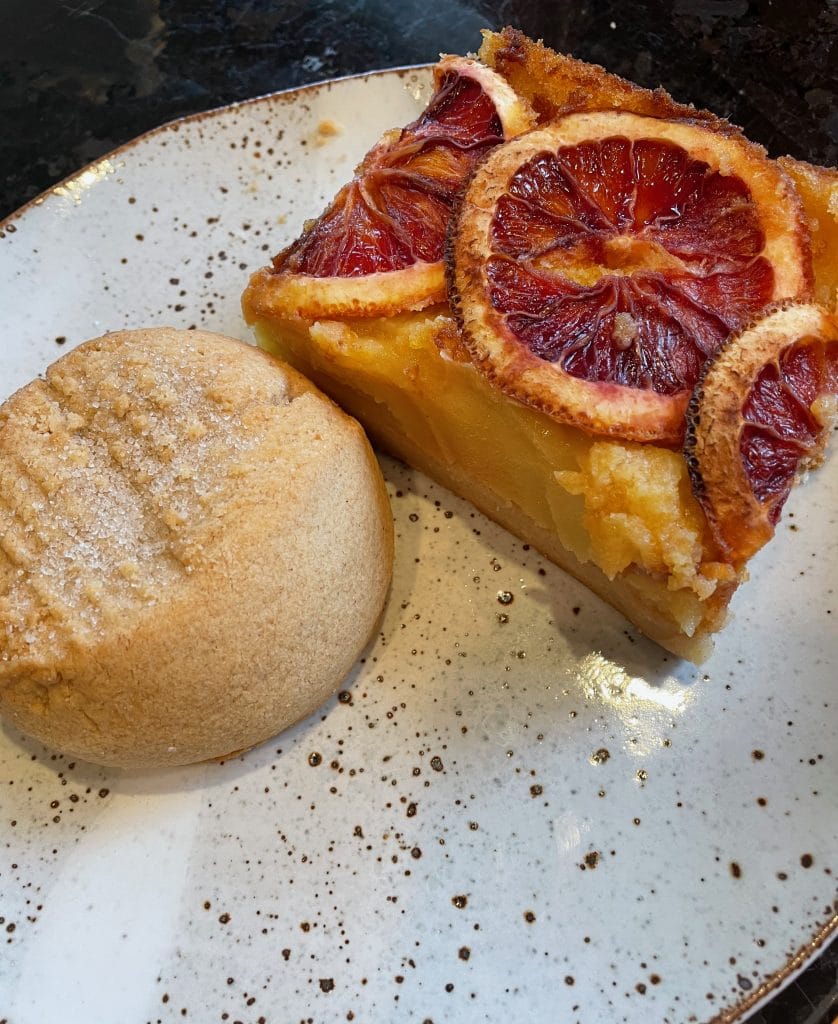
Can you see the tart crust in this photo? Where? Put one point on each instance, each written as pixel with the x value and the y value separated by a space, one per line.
pixel 410 379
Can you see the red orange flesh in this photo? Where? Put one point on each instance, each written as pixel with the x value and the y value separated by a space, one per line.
pixel 598 262
pixel 759 418
pixel 378 248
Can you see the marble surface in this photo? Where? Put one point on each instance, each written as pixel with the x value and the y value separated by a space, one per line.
pixel 78 79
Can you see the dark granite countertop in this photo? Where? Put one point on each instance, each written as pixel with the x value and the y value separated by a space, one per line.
pixel 77 79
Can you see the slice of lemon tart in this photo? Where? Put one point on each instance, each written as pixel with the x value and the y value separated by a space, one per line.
pixel 586 308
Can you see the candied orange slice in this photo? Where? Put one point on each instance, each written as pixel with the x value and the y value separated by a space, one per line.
pixel 758 418
pixel 377 249
pixel 597 262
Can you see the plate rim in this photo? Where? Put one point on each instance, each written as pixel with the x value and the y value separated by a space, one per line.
pixel 797 962
pixel 7 223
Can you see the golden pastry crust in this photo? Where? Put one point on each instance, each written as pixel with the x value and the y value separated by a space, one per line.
pixel 818 190
pixel 556 84
pixel 195 545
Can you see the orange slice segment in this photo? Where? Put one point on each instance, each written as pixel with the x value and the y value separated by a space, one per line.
pixel 596 263
pixel 377 249
pixel 758 419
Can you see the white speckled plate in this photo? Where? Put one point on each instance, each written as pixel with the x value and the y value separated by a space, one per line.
pixel 520 809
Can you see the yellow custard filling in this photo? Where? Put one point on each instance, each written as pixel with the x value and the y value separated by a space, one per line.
pixel 625 508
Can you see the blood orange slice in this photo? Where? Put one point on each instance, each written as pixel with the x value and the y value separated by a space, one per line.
pixel 378 248
pixel 758 418
pixel 597 262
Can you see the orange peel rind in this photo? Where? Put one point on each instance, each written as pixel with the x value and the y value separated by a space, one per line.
pixel 758 419
pixel 424 165
pixel 485 265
